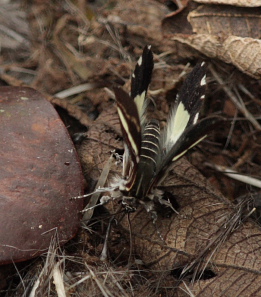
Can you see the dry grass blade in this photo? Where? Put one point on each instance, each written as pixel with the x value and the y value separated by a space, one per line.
pixel 104 289
pixel 58 279
pixel 76 90
pixel 232 97
pixel 236 175
pixel 14 30
pixel 41 286
pixel 95 197
pixel 98 281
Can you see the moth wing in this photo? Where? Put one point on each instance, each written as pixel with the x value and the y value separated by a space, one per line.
pixel 140 81
pixel 191 137
pixel 130 124
pixel 186 108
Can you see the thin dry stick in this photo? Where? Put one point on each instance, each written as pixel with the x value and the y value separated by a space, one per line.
pixel 95 197
pixel 237 176
pixel 245 90
pixel 99 284
pixel 241 107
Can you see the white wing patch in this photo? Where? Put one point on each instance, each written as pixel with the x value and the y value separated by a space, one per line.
pixel 203 80
pixel 139 61
pixel 176 125
pixel 141 105
pixel 196 118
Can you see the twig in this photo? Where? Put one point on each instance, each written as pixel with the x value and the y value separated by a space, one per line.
pixel 240 106
pixel 237 176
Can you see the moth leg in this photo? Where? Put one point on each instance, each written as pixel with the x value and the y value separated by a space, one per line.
pixel 162 198
pixel 154 216
pixel 168 204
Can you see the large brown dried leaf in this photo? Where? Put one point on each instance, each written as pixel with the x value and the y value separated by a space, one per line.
pixel 176 23
pixel 225 21
pixel 228 33
pixel 39 174
pixel 242 3
pixel 206 235
pixel 244 53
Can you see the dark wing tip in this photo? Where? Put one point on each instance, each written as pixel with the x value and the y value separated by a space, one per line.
pixel 142 74
pixel 192 93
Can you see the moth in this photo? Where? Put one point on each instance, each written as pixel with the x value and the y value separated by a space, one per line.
pixel 149 152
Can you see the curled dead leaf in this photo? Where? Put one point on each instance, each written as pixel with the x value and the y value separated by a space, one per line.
pixel 244 53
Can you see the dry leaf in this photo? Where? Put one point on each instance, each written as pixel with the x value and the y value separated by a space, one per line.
pixel 225 21
pixel 243 3
pixel 244 53
pixel 103 137
pixel 207 237
pixel 227 33
pixel 142 18
pixel 177 22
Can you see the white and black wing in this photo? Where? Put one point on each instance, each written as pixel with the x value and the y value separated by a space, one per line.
pixel 186 108
pixel 132 114
pixel 131 132
pixel 182 131
pixel 192 136
pixel 130 123
pixel 140 81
